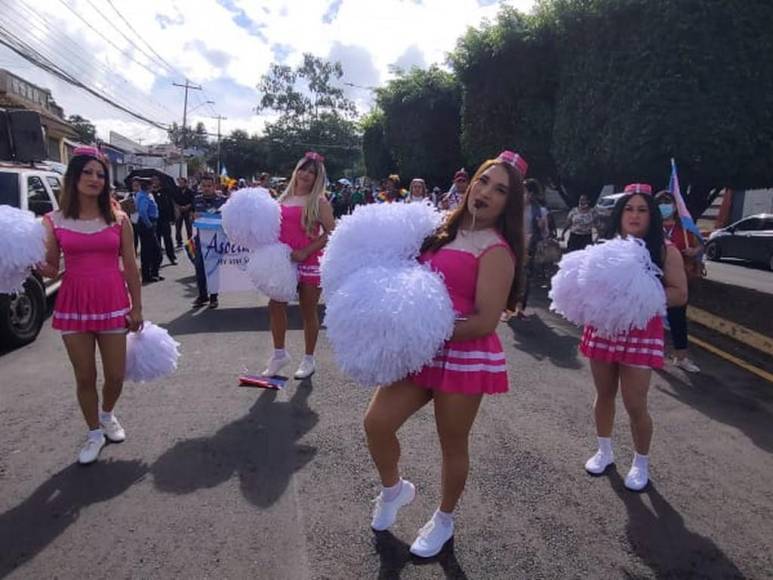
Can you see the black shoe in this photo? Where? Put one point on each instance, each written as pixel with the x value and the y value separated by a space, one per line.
pixel 146 281
pixel 158 278
pixel 173 262
pixel 213 303
pixel 199 302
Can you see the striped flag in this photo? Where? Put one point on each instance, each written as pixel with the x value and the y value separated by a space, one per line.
pixel 190 249
pixel 673 186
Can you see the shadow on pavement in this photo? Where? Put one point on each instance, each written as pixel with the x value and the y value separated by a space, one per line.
pixel 36 522
pixel 659 537
pixel 260 448
pixel 394 556
pixel 226 319
pixel 532 336
pixel 742 407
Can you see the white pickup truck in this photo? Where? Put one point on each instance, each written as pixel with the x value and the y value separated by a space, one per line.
pixel 35 188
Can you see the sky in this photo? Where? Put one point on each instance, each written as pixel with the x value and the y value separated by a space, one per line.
pixel 134 50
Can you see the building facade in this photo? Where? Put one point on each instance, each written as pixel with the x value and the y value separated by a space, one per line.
pixel 17 93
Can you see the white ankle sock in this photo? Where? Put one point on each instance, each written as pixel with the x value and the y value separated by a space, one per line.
pixel 444 518
pixel 641 461
pixel 96 433
pixel 605 445
pixel 390 493
pixel 105 415
pixel 280 353
pixel 308 358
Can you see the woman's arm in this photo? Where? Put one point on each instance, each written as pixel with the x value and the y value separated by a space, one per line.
pixel 495 278
pixel 328 222
pixel 50 265
pixel 131 274
pixel 674 278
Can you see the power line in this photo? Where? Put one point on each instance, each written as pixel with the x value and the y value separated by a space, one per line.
pixel 47 28
pixel 33 26
pixel 9 40
pixel 158 56
pixel 121 32
pixel 110 42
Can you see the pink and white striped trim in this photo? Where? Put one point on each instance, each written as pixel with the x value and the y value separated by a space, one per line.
pixel 100 316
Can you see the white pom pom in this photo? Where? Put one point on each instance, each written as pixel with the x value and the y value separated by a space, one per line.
pixel 22 245
pixel 376 234
pixel 613 286
pixel 251 218
pixel 385 323
pixel 151 354
pixel 273 273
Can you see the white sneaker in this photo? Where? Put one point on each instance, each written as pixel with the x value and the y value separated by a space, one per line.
pixel 276 364
pixel 385 512
pixel 432 537
pixel 113 430
pixel 637 478
pixel 91 450
pixel 686 365
pixel 305 370
pixel 597 464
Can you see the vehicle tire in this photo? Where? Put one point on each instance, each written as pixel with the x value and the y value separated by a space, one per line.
pixel 713 251
pixel 22 315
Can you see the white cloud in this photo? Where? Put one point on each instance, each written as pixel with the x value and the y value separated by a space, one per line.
pixel 226 45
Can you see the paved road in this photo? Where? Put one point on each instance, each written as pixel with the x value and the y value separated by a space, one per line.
pixel 739 273
pixel 217 481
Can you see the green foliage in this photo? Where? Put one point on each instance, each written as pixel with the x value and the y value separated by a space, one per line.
pixel 242 155
pixel 378 159
pixel 195 138
pixel 606 91
pixel 421 124
pixel 87 132
pixel 507 69
pixel 314 114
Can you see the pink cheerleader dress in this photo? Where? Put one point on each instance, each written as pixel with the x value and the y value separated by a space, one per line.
pixel 93 296
pixel 294 235
pixel 639 347
pixel 470 367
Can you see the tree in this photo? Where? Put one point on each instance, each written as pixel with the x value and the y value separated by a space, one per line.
pixel 242 155
pixel 195 138
pixel 509 78
pixel 314 114
pixel 421 122
pixel 87 132
pixel 642 82
pixel 377 156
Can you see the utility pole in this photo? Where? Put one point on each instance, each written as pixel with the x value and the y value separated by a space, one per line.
pixel 219 157
pixel 186 86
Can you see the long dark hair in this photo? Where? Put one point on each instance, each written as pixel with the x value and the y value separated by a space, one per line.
pixel 509 224
pixel 654 239
pixel 69 202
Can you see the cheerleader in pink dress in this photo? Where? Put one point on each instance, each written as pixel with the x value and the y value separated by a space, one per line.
pixel 307 220
pixel 477 251
pixel 625 361
pixel 99 299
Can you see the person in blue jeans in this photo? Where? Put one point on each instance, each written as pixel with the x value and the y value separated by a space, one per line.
pixel 208 201
pixel 147 218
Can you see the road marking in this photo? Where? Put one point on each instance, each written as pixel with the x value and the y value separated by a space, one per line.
pixel 733 359
pixel 735 331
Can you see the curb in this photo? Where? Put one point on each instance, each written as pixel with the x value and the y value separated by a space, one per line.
pixel 735 331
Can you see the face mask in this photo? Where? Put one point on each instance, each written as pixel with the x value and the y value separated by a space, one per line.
pixel 666 210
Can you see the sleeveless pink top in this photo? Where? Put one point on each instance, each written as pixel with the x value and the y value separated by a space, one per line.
pixel 294 235
pixel 476 366
pixel 93 296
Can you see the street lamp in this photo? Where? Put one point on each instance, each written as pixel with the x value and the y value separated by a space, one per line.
pixel 201 105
